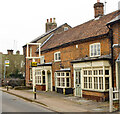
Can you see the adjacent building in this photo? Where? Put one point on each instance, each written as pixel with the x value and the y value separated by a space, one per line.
pixel 16 62
pixel 79 60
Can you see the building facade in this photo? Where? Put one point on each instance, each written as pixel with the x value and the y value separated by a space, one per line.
pixel 16 63
pixel 80 60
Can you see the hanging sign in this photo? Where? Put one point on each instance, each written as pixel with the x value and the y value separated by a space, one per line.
pixel 34 64
pixel 7 62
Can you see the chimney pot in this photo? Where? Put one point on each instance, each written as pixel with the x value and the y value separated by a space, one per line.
pixel 51 20
pixel 10 52
pixel 98 1
pixel 47 20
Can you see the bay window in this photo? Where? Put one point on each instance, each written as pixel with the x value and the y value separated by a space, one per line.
pixel 94 78
pixel 63 79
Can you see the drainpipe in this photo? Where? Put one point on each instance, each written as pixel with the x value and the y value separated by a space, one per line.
pixel 111 61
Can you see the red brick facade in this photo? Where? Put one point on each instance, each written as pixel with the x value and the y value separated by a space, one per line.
pixel 73 47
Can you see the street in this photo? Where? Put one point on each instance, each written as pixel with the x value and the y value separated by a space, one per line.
pixel 12 103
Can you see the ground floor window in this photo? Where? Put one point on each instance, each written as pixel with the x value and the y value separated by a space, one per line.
pixel 63 79
pixel 94 78
pixel 39 76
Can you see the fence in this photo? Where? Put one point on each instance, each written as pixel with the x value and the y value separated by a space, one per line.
pixel 113 96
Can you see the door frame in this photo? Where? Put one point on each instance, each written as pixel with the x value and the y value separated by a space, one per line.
pixel 50 80
pixel 75 81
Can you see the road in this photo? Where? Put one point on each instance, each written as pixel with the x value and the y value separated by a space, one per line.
pixel 12 103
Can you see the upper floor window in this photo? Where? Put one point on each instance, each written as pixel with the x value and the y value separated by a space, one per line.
pixel 95 49
pixel 57 56
pixel 65 28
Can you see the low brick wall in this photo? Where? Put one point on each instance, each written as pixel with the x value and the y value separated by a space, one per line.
pixel 98 96
pixel 41 87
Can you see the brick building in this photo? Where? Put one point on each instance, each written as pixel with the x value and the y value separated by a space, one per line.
pixel 81 60
pixel 50 31
pixel 16 63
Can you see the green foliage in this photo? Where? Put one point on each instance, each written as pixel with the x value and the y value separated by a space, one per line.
pixel 16 74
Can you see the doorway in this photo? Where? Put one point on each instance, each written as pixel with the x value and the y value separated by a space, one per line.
pixel 78 89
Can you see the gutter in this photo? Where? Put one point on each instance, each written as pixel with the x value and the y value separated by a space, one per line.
pixel 111 61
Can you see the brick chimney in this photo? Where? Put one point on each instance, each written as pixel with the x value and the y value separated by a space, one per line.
pixel 10 52
pixel 98 9
pixel 50 24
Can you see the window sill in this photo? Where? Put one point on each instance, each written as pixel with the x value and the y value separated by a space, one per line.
pixel 96 56
pixel 62 87
pixel 57 60
pixel 96 90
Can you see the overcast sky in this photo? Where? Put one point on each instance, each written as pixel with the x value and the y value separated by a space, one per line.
pixel 23 20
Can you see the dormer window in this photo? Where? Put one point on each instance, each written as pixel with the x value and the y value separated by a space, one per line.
pixel 65 28
pixel 95 50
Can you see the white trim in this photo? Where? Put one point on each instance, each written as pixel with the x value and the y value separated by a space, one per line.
pixel 65 80
pixel 94 50
pixel 51 80
pixel 28 57
pixel 57 56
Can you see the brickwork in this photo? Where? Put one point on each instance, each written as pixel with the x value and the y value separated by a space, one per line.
pixel 71 53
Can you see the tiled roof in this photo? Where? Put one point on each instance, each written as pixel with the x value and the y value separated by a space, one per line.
pixel 43 35
pixel 89 29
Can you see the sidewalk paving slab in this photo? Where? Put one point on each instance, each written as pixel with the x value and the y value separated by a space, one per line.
pixel 62 103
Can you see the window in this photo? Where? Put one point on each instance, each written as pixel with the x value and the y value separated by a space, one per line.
pixel 85 72
pixel 38 77
pixel 30 73
pixel 94 77
pixel 90 82
pixel 63 79
pixel 106 72
pixel 65 28
pixel 85 82
pixel 100 72
pixel 95 50
pixel 106 83
pixel 95 82
pixel 95 72
pixel 100 82
pixel 57 56
pixel 89 72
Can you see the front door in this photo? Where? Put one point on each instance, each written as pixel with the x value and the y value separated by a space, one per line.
pixel 78 90
pixel 49 81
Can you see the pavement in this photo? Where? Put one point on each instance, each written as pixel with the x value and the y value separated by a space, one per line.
pixel 59 102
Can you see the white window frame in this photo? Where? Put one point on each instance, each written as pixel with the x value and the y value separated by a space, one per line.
pixel 100 83
pixel 38 77
pixel 56 53
pixel 98 52
pixel 61 77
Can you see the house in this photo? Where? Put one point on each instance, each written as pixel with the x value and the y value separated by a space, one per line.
pixel 81 60
pixel 50 31
pixel 16 63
